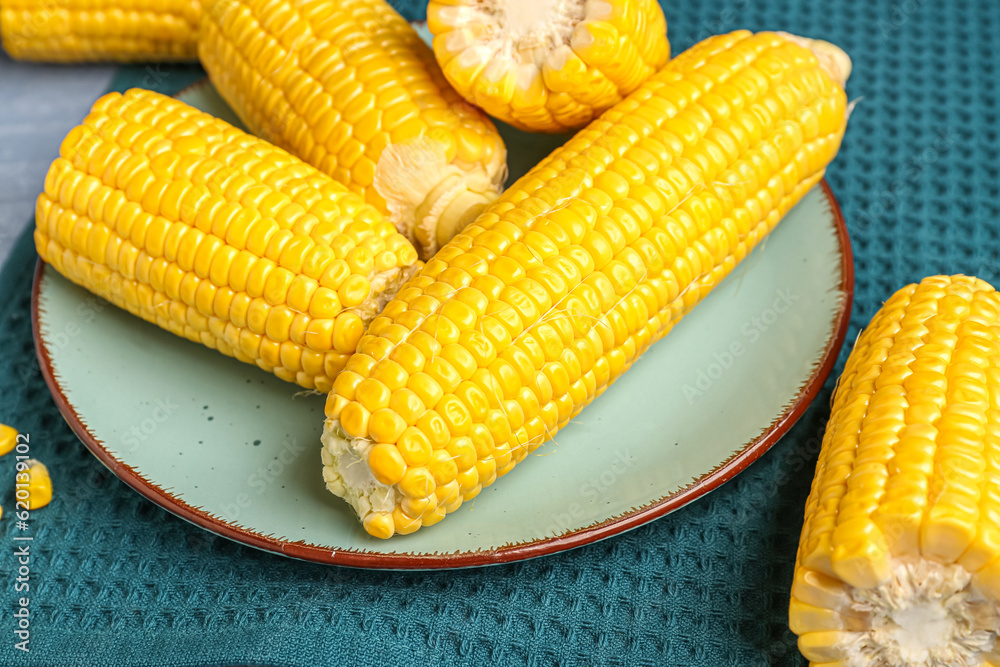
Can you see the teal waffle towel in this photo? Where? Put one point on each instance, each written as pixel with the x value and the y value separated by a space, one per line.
pixel 116 581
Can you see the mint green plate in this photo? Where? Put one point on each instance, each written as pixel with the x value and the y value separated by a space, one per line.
pixel 236 451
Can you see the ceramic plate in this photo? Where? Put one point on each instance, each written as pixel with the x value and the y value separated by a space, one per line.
pixel 236 451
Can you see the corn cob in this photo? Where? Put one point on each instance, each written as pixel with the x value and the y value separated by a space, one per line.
pixel 217 236
pixel 547 65
pixel 350 88
pixel 534 309
pixel 899 561
pixel 100 30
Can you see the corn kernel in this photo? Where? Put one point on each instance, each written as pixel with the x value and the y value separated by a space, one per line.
pixel 386 464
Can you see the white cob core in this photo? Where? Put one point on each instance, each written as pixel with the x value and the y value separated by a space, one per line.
pixel 522 26
pixel 347 475
pixel 429 199
pixel 383 286
pixel 515 32
pixel 926 615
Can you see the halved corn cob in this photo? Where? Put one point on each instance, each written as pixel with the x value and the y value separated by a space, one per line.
pixel 534 309
pixel 100 30
pixel 547 65
pixel 349 87
pixel 217 236
pixel 899 561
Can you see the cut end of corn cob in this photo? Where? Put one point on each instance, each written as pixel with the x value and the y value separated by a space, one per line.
pixel 100 30
pixel 548 65
pixel 925 615
pixel 347 474
pixel 431 216
pixel 535 308
pixel 217 236
pixel 900 552
pixel 351 88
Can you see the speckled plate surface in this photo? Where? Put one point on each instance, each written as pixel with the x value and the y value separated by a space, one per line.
pixel 236 451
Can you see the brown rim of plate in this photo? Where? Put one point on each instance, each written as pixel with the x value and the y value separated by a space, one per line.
pixel 507 554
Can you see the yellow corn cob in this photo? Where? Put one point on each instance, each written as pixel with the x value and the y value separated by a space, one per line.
pixel 349 87
pixel 899 561
pixel 100 30
pixel 547 65
pixel 217 236
pixel 534 309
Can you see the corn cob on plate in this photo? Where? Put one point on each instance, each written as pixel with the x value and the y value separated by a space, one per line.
pixel 536 308
pixel 775 324
pixel 351 88
pixel 217 236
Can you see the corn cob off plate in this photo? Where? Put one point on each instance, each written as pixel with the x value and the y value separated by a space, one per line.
pixel 235 451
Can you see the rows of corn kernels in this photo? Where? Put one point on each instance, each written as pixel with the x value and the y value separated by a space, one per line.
pixel 362 244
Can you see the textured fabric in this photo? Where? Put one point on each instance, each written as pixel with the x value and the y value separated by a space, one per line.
pixel 118 581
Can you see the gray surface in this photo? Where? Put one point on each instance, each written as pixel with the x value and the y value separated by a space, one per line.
pixel 38 106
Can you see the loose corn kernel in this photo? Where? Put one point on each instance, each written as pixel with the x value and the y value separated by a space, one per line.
pixel 36 484
pixel 8 439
